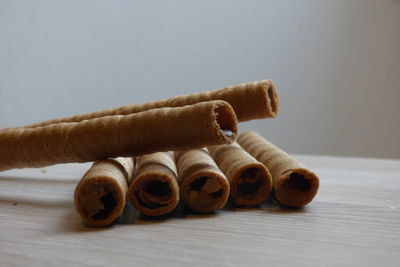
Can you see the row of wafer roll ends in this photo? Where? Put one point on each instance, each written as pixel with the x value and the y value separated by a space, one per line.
pixel 247 172
pixel 130 147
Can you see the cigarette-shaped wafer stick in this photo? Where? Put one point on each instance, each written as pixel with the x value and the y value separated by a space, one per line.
pixel 294 184
pixel 203 186
pixel 253 100
pixel 250 181
pixel 163 129
pixel 100 195
pixel 154 190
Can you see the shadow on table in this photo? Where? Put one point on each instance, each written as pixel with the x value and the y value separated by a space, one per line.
pixel 274 207
pixel 270 206
pixel 72 222
pixel 130 215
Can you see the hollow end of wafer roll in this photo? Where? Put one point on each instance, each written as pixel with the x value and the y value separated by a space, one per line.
pixel 252 100
pixel 100 201
pixel 154 194
pixel 226 121
pixel 205 191
pixel 272 99
pixel 266 91
pixel 296 187
pixel 251 185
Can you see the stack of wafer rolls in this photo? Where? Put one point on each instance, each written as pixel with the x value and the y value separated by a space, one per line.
pixel 250 101
pixel 154 190
pixel 206 167
pixel 250 181
pixel 203 186
pixel 100 195
pixel 294 184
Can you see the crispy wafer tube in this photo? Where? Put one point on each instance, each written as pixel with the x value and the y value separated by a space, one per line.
pixel 250 181
pixel 253 100
pixel 203 186
pixel 100 195
pixel 154 190
pixel 294 184
pixel 164 129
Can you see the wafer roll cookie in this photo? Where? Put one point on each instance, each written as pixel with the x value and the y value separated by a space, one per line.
pixel 253 100
pixel 203 186
pixel 250 181
pixel 154 190
pixel 155 130
pixel 100 195
pixel 294 184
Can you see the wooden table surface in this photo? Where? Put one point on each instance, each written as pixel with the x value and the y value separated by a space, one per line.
pixel 353 221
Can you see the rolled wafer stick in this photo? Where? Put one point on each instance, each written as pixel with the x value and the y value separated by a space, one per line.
pixel 203 186
pixel 250 181
pixel 163 129
pixel 253 100
pixel 100 195
pixel 294 184
pixel 154 190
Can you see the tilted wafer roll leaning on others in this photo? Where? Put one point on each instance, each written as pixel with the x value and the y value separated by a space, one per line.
pixel 163 129
pixel 252 100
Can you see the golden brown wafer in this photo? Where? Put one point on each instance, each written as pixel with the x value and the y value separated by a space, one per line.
pixel 100 195
pixel 154 190
pixel 163 129
pixel 203 186
pixel 250 181
pixel 294 184
pixel 253 100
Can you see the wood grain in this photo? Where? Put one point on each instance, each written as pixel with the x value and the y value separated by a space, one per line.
pixel 353 221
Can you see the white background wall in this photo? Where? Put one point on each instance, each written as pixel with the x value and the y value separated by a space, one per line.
pixel 336 63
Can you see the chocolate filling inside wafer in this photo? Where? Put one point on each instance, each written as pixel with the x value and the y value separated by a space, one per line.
pixel 204 191
pixel 250 182
pixel 100 200
pixel 155 194
pixel 206 185
pixel 297 182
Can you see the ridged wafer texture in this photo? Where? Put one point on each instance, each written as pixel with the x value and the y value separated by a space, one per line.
pixel 252 100
pixel 203 186
pixel 250 181
pixel 101 193
pixel 294 184
pixel 154 190
pixel 163 129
